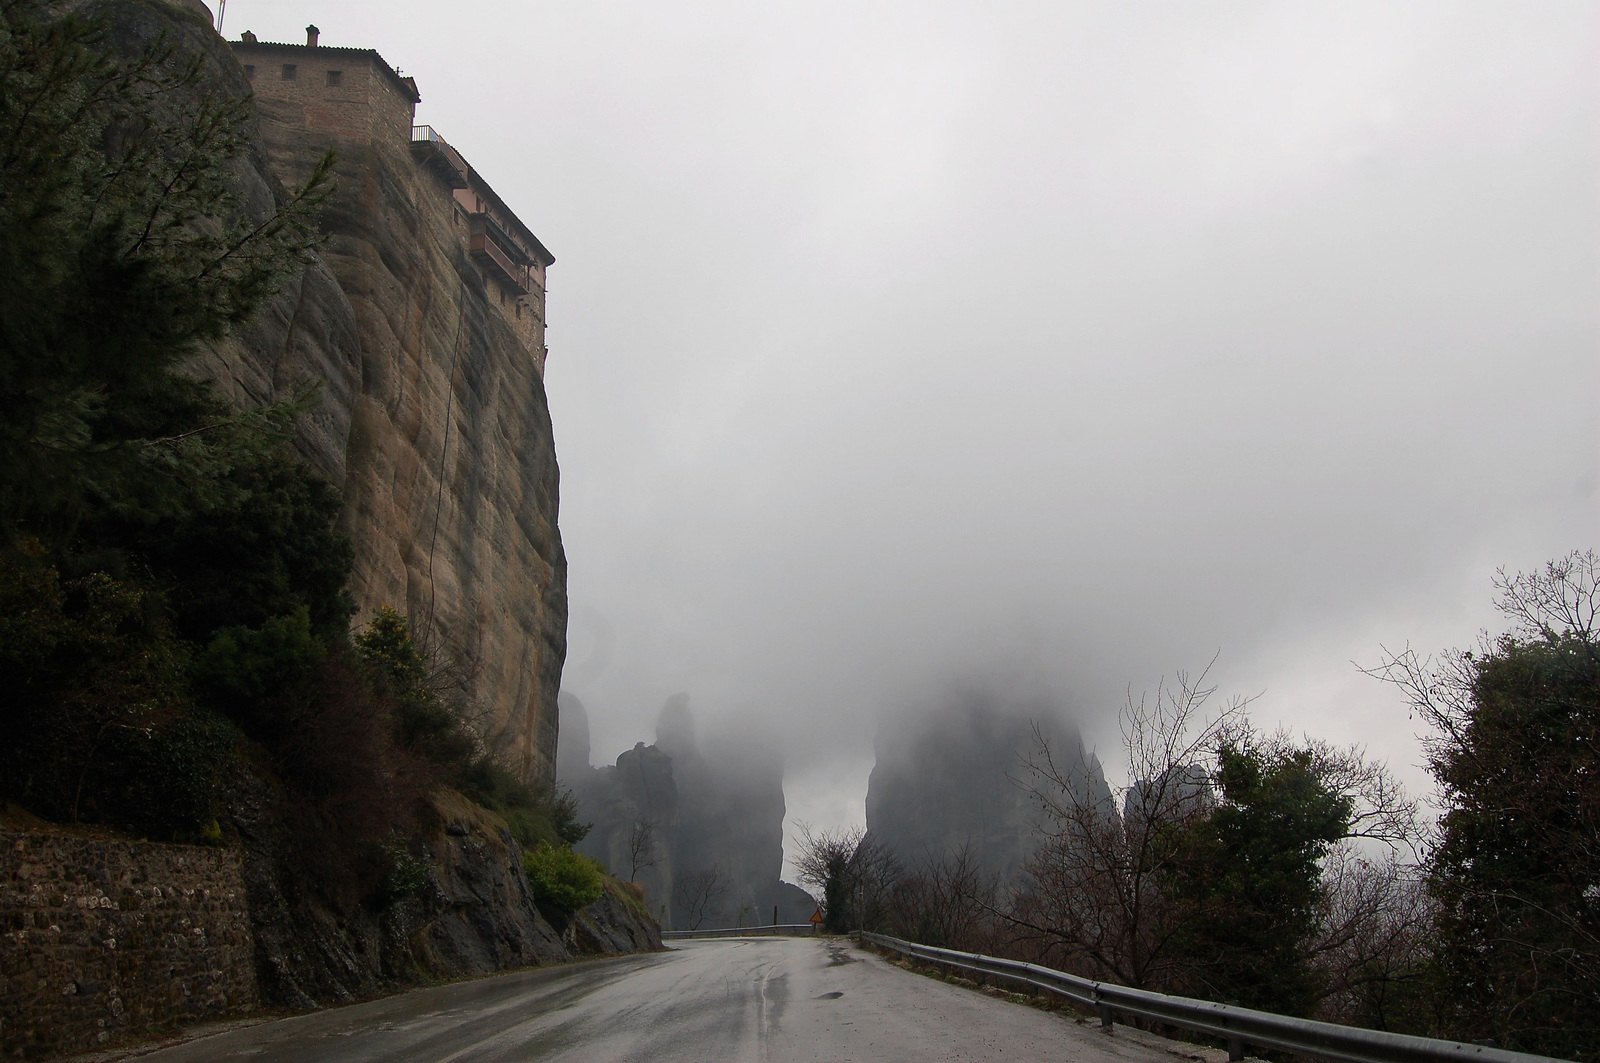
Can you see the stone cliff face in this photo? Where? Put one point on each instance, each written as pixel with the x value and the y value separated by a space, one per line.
pixel 468 912
pixel 433 417
pixel 954 775
pixel 720 810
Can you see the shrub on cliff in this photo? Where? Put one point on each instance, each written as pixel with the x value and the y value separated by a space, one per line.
pixel 97 716
pixel 123 246
pixel 429 724
pixel 138 513
pixel 563 878
pixel 535 814
pixel 170 575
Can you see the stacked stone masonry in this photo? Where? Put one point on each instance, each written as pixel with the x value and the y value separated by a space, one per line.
pixel 106 938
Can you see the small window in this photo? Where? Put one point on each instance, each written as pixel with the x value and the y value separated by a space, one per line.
pixel 288 71
pixel 249 72
pixel 333 78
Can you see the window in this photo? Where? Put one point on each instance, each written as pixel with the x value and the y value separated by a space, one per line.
pixel 333 78
pixel 249 72
pixel 288 71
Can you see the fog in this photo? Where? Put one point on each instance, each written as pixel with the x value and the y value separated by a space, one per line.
pixel 893 344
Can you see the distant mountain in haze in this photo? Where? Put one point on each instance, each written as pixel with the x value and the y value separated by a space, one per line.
pixel 954 774
pixel 715 811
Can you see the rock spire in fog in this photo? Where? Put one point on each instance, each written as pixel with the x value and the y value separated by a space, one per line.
pixel 715 819
pixel 954 774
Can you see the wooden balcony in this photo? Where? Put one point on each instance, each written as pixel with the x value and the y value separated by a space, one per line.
pixel 496 252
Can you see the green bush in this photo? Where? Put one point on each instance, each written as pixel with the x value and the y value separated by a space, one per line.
pixel 562 877
pixel 536 815
pixel 408 875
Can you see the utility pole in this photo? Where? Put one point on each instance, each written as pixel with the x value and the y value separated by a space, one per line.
pixel 222 12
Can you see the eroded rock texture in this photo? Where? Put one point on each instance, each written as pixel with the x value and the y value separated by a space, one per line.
pixel 432 416
pixel 956 774
pixel 465 909
pixel 715 853
pixel 432 419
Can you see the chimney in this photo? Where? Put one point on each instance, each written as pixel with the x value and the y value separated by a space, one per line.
pixel 311 36
pixel 247 37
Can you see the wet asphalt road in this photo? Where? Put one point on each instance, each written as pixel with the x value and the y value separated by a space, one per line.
pixel 777 999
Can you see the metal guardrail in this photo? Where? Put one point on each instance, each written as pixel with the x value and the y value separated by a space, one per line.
pixel 1238 1026
pixel 774 930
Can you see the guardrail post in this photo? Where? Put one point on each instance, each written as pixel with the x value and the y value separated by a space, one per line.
pixel 1235 1050
pixel 1106 1018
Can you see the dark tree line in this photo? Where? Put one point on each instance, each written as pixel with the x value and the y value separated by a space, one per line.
pixel 1514 874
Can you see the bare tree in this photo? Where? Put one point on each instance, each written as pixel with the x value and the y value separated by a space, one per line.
pixel 641 846
pixel 948 901
pixel 1093 899
pixel 697 893
pixel 1561 600
pixel 1376 918
pixel 1515 721
pixel 855 874
pixel 1380 808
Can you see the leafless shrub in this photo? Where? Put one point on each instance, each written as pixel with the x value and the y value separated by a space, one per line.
pixel 1097 897
pixel 1092 901
pixel 947 900
pixel 349 787
pixel 855 874
pixel 1376 919
pixel 641 846
pixel 697 893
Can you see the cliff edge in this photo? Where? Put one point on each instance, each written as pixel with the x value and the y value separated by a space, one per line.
pixel 421 322
pixel 422 319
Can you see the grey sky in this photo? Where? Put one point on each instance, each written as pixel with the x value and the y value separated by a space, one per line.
pixel 892 342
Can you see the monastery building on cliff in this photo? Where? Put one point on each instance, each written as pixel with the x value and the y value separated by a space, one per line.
pixel 351 96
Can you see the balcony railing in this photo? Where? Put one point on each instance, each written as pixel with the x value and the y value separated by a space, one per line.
pixel 435 150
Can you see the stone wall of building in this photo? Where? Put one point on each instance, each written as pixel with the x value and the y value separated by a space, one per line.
pixel 106 938
pixel 350 94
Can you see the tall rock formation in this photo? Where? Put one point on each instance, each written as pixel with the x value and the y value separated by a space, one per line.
pixel 713 813
pixel 955 774
pixel 423 317
pixel 422 321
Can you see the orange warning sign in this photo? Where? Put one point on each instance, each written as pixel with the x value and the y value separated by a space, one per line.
pixel 816 917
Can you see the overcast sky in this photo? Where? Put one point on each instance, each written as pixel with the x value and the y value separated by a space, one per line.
pixel 896 342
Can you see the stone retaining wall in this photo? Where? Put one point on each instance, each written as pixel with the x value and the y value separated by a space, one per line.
pixel 100 939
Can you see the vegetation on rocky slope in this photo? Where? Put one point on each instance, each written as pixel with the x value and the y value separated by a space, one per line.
pixel 173 614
